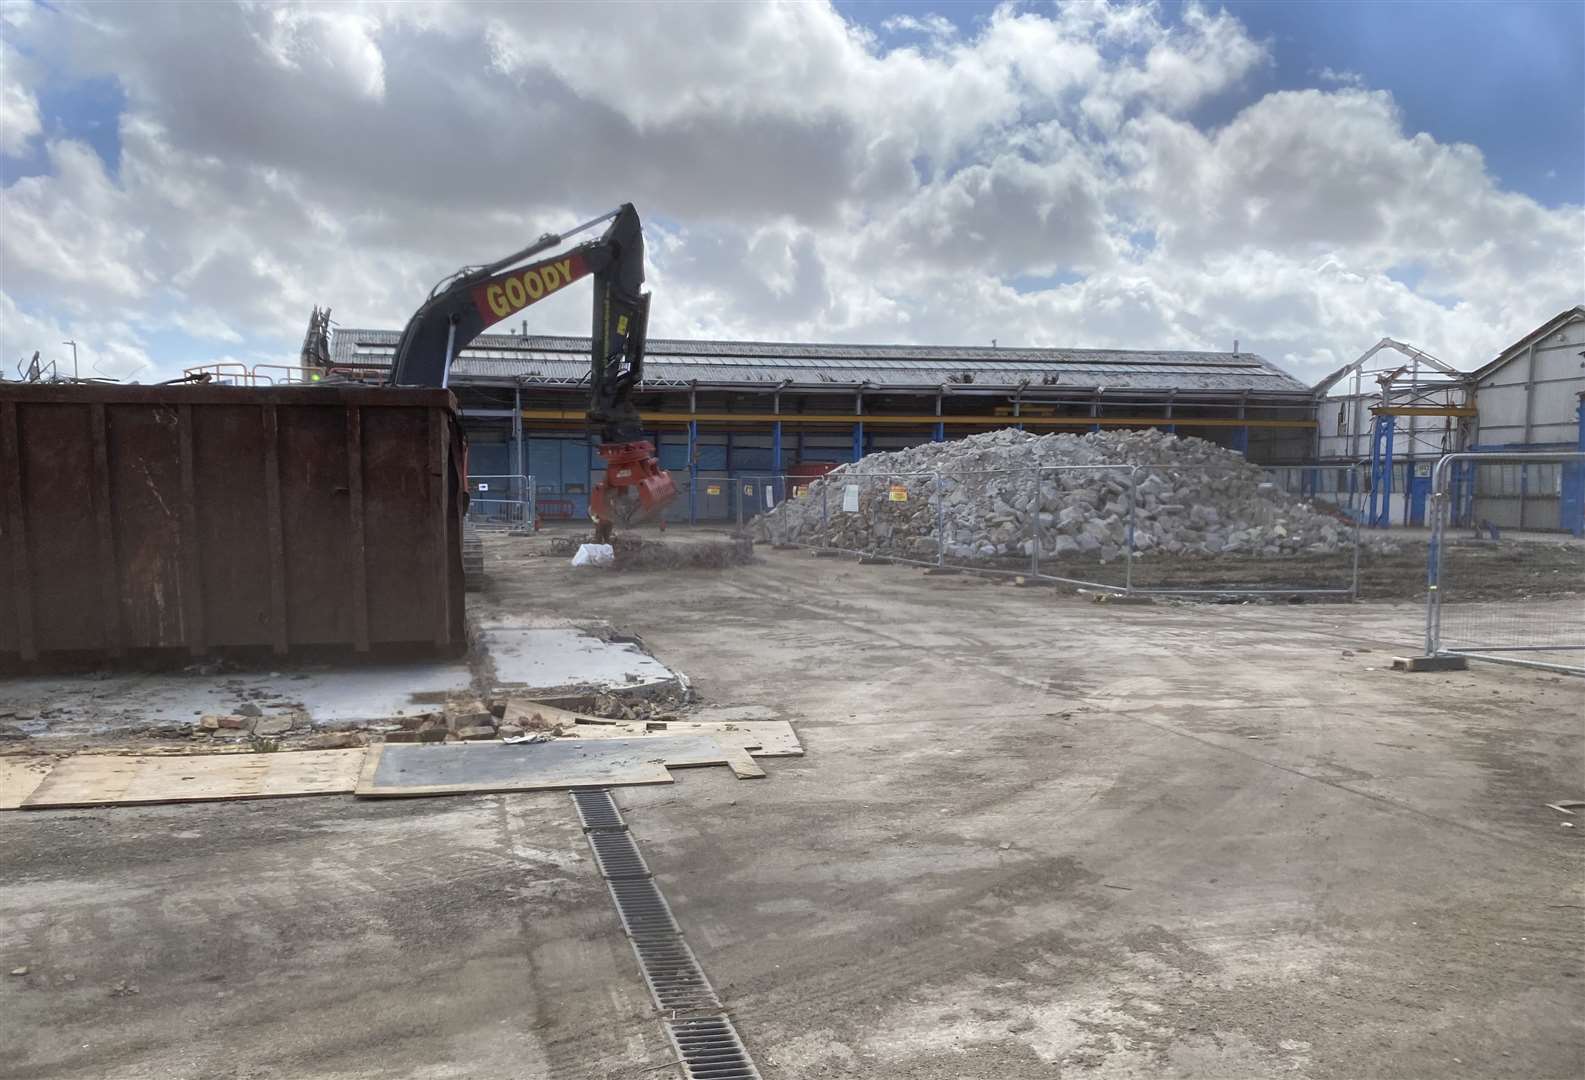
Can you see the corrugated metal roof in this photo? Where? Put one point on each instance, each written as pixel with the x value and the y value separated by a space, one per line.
pixel 564 360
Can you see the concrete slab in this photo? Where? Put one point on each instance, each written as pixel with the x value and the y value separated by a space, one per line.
pixel 329 938
pixel 557 658
pixel 1196 841
pixel 101 704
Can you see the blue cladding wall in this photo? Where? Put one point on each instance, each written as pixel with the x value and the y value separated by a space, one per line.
pixel 555 464
pixel 751 459
pixel 489 459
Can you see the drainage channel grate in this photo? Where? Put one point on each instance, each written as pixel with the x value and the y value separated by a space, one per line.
pixel 676 981
pixel 617 855
pixel 707 1045
pixel 597 810
pixel 643 909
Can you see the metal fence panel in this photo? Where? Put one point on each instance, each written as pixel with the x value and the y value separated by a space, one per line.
pixel 1247 529
pixel 502 502
pixel 1116 528
pixel 1477 597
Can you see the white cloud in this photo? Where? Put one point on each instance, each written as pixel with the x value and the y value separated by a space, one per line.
pixel 19 109
pixel 1333 77
pixel 801 178
pixel 936 27
pixel 106 348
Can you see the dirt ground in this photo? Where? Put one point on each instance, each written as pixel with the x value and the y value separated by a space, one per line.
pixel 1033 836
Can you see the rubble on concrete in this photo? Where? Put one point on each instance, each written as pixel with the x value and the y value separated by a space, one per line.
pixel 636 553
pixel 1192 498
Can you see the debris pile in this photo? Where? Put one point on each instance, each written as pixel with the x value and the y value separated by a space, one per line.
pixel 981 498
pixel 630 552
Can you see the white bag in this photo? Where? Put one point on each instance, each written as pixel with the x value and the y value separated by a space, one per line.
pixel 594 555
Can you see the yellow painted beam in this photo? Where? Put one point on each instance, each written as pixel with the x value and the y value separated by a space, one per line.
pixel 924 419
pixel 1424 410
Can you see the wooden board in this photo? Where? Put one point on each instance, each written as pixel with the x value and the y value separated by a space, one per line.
pixel 20 774
pixel 762 738
pixel 406 770
pixel 101 779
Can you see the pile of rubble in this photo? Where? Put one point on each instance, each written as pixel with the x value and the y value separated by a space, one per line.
pixel 996 495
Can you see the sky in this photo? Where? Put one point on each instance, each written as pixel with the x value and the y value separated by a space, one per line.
pixel 182 183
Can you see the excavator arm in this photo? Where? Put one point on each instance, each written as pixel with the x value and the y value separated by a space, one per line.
pixel 463 306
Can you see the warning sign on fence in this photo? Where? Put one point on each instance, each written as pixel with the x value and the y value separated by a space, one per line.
pixel 712 489
pixel 800 490
pixel 850 499
pixel 748 489
pixel 898 493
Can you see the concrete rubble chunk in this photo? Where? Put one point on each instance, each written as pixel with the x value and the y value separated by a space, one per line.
pixel 466 714
pixel 980 498
pixel 272 725
pixel 333 740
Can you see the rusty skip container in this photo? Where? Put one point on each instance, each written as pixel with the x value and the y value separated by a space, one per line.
pixel 146 520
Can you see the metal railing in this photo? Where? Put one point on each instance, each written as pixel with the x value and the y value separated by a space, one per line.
pixel 234 373
pixel 1471 609
pixel 503 502
pixel 1239 530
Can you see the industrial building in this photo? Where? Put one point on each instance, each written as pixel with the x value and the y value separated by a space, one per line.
pixel 1398 409
pixel 759 409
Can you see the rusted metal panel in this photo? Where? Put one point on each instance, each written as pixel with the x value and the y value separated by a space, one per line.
pixel 151 520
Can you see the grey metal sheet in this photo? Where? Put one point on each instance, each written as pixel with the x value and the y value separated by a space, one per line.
pixel 456 768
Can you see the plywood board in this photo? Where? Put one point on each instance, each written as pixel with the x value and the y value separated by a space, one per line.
pixel 20 774
pixel 97 780
pixel 762 738
pixel 399 771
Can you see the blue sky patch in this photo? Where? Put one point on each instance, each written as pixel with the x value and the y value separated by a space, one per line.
pixel 88 110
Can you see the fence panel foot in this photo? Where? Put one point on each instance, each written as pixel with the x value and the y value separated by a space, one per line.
pixel 1430 663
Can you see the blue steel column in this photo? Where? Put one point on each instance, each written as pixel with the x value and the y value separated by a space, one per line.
pixel 1381 471
pixel 858 429
pixel 775 455
pixel 940 433
pixel 1574 481
pixel 693 472
pixel 775 449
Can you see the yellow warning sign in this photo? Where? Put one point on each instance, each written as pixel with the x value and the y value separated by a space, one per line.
pixel 898 493
pixel 800 491
pixel 713 489
pixel 748 489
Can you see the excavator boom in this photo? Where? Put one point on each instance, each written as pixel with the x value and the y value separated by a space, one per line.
pixel 463 306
